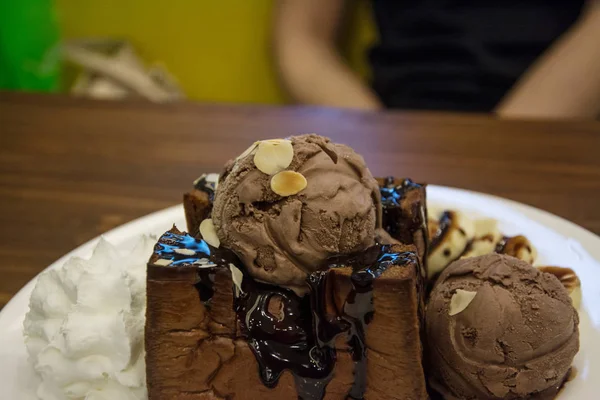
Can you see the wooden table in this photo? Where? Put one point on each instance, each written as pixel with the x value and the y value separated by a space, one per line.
pixel 72 169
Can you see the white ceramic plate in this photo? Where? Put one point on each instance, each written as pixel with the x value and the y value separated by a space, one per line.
pixel 559 242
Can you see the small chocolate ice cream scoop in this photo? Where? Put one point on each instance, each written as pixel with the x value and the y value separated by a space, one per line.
pixel 285 206
pixel 497 328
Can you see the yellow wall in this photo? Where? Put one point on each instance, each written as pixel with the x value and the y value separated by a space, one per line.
pixel 219 50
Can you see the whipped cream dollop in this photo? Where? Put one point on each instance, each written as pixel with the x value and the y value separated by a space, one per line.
pixel 85 329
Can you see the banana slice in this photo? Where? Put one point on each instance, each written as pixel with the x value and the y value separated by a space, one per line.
pixel 519 247
pixel 450 233
pixel 487 236
pixel 570 281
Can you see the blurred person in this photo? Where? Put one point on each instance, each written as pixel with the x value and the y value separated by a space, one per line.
pixel 518 58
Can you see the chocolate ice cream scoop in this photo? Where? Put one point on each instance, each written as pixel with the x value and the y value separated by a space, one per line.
pixel 286 206
pixel 498 328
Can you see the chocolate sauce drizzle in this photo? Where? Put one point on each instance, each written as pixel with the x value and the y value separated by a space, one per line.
pixel 403 220
pixel 301 338
pixel 391 202
pixel 358 308
pixel 285 341
pixel 175 246
pixel 446 221
pixel 205 185
pixel 204 254
pixel 170 244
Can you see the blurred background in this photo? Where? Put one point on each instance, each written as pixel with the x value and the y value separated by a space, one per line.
pixel 513 58
pixel 201 49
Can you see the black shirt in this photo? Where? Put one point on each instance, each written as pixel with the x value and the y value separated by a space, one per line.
pixel 461 55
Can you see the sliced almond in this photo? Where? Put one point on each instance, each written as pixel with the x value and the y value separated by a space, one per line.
pixel 185 252
pixel 273 156
pixel 570 281
pixel 209 233
pixel 163 262
pixel 248 151
pixel 237 277
pixel 460 300
pixel 287 183
pixel 204 263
